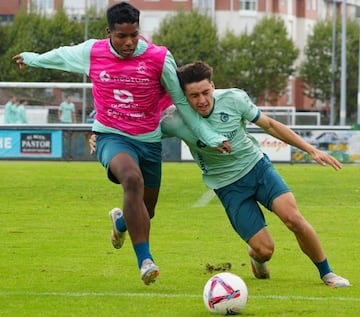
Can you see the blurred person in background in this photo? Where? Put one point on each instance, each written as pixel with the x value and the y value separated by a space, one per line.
pixel 66 112
pixel 10 110
pixel 20 117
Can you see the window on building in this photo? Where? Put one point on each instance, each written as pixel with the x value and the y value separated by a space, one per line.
pixel 6 19
pixel 204 6
pixel 314 5
pixel 248 5
pixel 45 5
pixel 200 3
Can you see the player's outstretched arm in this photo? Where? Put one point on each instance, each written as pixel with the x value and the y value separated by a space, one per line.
pixel 283 133
pixel 19 60
pixel 323 158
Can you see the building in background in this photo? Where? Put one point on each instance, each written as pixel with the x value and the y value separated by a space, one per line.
pixel 299 16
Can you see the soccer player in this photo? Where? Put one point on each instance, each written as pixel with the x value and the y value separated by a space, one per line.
pixel 10 110
pixel 66 111
pixel 245 177
pixel 21 117
pixel 129 76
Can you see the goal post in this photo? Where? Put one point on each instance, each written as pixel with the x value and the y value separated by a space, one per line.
pixel 289 116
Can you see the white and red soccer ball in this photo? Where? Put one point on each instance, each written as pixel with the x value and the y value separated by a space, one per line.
pixel 225 294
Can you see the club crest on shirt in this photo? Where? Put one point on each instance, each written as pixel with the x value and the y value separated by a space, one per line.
pixel 224 117
pixel 141 68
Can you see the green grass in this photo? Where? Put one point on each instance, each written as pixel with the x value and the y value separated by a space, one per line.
pixel 56 258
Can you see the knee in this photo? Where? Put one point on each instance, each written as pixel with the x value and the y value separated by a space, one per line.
pixel 295 222
pixel 262 252
pixel 265 253
pixel 133 181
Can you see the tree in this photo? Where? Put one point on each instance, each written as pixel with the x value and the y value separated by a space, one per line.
pixel 38 33
pixel 190 36
pixel 97 24
pixel 235 66
pixel 262 61
pixel 4 31
pixel 316 71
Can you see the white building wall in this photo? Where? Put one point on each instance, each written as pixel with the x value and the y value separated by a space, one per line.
pixel 235 22
pixel 78 8
pixel 150 21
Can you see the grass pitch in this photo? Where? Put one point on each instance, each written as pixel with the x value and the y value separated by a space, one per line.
pixel 56 258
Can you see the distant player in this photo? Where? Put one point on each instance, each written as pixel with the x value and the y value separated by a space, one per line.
pixel 10 110
pixel 21 117
pixel 66 111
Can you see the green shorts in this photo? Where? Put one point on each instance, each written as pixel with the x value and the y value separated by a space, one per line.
pixel 146 154
pixel 241 199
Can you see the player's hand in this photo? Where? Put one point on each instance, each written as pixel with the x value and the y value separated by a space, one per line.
pixel 92 143
pixel 324 159
pixel 225 148
pixel 19 60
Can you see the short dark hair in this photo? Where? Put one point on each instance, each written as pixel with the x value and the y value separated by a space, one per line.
pixel 194 72
pixel 122 12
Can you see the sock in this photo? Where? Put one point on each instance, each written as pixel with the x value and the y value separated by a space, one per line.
pixel 323 267
pixel 142 251
pixel 120 224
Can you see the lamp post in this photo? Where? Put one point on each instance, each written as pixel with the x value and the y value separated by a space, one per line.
pixel 358 94
pixel 343 66
pixel 333 66
pixel 84 75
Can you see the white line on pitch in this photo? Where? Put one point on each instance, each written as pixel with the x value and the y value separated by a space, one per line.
pixel 204 199
pixel 108 294
pixel 332 207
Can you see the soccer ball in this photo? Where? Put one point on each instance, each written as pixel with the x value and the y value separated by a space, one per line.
pixel 225 294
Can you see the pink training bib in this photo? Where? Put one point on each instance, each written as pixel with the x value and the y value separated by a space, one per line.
pixel 127 91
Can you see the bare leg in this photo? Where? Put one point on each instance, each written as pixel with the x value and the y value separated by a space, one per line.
pixel 261 246
pixel 261 249
pixel 285 207
pixel 136 215
pixel 150 199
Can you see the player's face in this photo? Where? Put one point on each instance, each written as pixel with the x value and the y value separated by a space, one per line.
pixel 124 38
pixel 200 96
